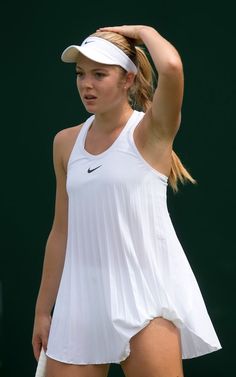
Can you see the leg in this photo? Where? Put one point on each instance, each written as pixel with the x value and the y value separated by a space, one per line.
pixel 155 351
pixel 57 369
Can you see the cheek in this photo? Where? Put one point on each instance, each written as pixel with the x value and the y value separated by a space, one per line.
pixel 111 94
pixel 112 88
pixel 78 84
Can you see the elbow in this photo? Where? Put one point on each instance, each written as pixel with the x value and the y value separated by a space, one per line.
pixel 174 66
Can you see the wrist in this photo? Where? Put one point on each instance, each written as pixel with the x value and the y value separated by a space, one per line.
pixel 42 310
pixel 39 313
pixel 147 31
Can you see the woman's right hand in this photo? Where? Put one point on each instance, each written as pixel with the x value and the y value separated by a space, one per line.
pixel 41 329
pixel 129 31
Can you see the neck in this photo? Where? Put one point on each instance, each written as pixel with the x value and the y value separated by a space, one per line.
pixel 112 120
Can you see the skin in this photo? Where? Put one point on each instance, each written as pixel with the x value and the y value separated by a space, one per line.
pixel 155 351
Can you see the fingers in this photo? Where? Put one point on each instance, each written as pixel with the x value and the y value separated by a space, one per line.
pixel 40 334
pixel 109 27
pixel 115 29
pixel 129 31
pixel 37 346
pixel 37 349
pixel 45 343
pixel 126 31
pixel 39 342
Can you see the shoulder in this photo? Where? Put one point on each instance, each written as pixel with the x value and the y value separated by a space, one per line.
pixel 67 134
pixel 63 143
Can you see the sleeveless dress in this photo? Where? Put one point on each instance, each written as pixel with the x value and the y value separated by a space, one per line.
pixel 124 264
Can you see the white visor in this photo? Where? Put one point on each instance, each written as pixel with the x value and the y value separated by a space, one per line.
pixel 101 51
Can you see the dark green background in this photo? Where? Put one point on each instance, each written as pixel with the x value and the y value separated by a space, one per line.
pixel 39 98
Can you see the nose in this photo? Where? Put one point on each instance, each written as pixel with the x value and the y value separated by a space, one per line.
pixel 85 82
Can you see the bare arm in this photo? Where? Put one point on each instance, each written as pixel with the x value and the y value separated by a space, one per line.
pixel 54 254
pixel 167 101
pixel 165 114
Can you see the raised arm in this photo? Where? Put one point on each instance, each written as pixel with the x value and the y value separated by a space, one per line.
pixel 165 113
pixel 54 254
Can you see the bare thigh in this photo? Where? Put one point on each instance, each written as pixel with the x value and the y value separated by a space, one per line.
pixel 155 351
pixel 57 369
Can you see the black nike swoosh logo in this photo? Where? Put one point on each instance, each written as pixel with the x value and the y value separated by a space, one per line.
pixel 90 170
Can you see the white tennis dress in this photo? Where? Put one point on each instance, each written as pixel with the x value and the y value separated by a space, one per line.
pixel 124 264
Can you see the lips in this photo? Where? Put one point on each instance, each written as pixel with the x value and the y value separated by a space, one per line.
pixel 88 97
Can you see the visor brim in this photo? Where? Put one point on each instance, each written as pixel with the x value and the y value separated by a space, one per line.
pixel 71 55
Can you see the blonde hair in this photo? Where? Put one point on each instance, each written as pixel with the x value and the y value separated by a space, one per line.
pixel 140 95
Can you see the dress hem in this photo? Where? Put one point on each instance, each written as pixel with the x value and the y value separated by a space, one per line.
pixel 87 362
pixel 180 325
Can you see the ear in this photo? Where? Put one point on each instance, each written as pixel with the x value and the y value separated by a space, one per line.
pixel 129 79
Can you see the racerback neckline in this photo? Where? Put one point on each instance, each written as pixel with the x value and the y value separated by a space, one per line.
pixel 87 126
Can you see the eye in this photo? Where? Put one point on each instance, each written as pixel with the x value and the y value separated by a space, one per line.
pixel 78 73
pixel 100 75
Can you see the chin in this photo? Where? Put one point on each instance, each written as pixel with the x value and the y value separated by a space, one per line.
pixel 90 109
pixel 94 109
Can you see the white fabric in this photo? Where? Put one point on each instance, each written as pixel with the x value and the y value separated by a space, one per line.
pixel 124 264
pixel 101 51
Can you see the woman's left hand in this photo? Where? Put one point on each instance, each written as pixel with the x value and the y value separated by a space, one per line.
pixel 129 31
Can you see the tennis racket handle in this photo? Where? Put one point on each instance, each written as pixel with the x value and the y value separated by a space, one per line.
pixel 41 367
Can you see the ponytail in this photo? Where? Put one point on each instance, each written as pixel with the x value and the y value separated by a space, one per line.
pixel 141 92
pixel 141 95
pixel 178 173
